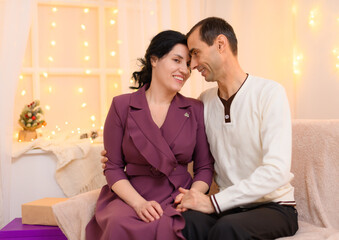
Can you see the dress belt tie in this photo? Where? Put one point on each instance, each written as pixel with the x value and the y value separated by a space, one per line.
pixel 148 170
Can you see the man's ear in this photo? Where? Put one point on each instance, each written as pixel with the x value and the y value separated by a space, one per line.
pixel 154 61
pixel 221 42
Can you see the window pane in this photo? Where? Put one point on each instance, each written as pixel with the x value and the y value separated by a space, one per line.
pixel 24 96
pixel 68 37
pixel 72 101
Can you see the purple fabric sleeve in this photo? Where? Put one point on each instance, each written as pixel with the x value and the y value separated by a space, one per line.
pixel 202 157
pixel 113 135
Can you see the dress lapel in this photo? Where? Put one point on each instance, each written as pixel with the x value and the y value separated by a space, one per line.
pixel 178 114
pixel 146 135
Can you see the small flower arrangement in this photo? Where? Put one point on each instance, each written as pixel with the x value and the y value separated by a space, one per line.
pixel 31 116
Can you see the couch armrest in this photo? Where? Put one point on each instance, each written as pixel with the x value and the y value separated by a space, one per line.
pixel 74 214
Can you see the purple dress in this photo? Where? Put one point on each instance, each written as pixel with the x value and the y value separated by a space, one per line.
pixel 154 160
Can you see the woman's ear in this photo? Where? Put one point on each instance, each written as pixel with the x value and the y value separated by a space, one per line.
pixel 154 61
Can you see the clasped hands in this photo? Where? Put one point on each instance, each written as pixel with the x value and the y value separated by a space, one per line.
pixel 149 211
pixel 194 200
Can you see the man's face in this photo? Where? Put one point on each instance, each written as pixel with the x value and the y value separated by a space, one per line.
pixel 204 58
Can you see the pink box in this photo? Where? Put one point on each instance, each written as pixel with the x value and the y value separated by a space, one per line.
pixel 16 230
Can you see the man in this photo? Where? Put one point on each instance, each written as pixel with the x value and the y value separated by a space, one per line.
pixel 248 126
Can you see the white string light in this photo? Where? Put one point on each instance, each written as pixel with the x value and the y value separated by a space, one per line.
pixel 312 17
pixel 296 63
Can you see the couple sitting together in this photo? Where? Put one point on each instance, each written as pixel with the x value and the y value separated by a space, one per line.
pixel 241 130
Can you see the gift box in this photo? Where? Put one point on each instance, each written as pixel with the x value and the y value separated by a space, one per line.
pixel 15 230
pixel 40 212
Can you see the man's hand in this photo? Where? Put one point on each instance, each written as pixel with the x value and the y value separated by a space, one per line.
pixel 104 159
pixel 195 200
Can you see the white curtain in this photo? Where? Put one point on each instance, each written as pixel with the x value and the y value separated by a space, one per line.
pixel 294 42
pixel 15 21
pixel 140 20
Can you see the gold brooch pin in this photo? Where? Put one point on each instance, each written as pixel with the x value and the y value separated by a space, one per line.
pixel 187 114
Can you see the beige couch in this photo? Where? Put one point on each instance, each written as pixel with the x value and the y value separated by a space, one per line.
pixel 315 164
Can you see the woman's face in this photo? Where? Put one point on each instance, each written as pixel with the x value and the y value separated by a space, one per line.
pixel 172 70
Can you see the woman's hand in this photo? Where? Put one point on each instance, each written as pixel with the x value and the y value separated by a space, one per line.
pixel 148 211
pixel 178 200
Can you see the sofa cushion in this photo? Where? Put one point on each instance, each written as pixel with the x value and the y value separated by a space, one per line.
pixel 309 231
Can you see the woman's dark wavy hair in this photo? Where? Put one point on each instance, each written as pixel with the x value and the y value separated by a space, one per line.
pixel 160 45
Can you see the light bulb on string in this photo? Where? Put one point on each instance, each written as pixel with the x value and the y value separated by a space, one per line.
pixel 336 54
pixel 21 77
pixel 23 92
pixel 115 11
pixel 113 53
pixel 112 21
pixel 53 43
pixel 312 17
pixel 296 63
pixel 86 10
pixel 85 43
pixel 87 58
pixel 83 27
pixel 53 24
pixel 54 9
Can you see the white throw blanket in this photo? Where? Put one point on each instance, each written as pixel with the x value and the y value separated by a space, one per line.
pixel 316 168
pixel 78 167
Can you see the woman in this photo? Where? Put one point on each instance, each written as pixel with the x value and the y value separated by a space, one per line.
pixel 150 137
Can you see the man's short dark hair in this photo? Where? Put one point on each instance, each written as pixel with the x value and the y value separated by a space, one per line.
pixel 211 27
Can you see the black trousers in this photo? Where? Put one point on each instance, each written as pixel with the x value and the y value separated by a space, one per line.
pixel 267 221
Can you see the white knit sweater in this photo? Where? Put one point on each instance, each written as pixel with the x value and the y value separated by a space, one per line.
pixel 253 152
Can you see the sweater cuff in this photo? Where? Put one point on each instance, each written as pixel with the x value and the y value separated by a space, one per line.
pixel 215 204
